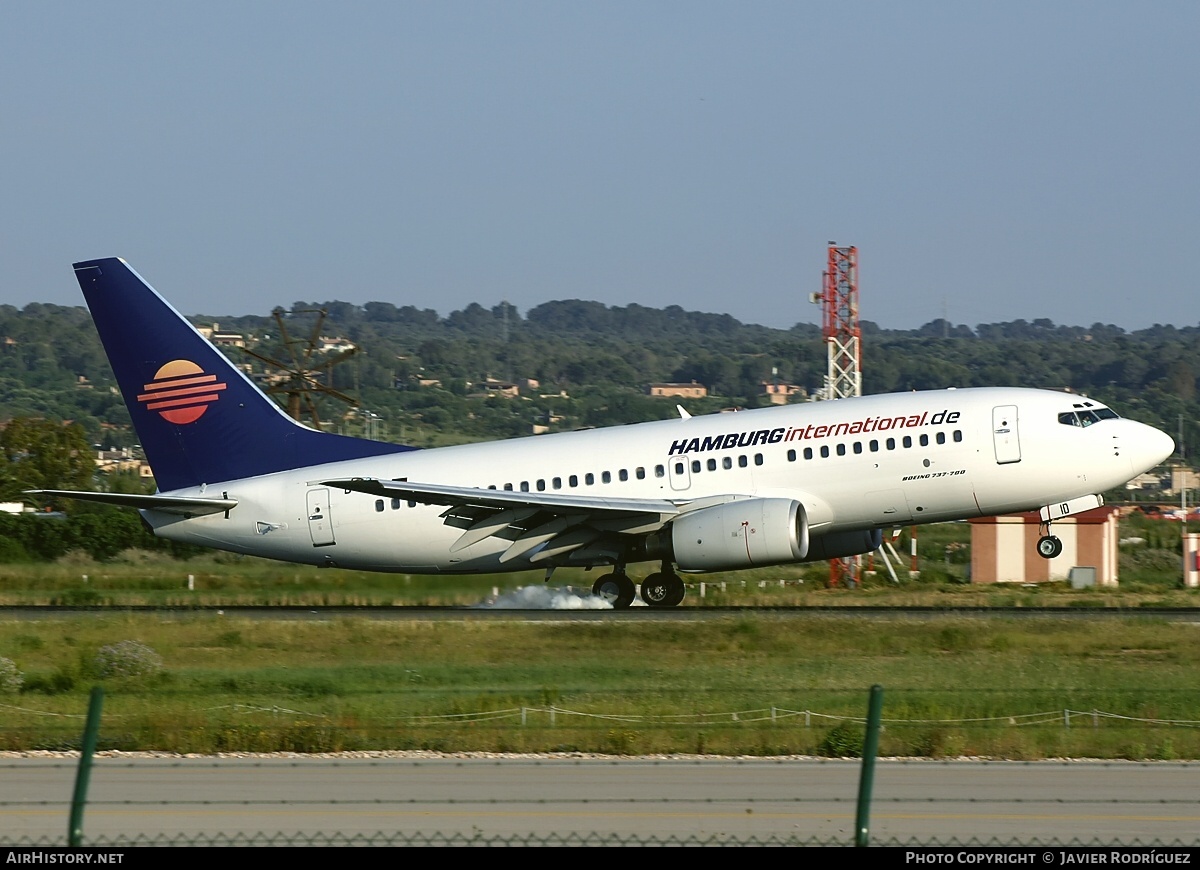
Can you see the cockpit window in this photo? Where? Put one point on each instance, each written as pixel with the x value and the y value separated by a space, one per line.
pixel 1086 416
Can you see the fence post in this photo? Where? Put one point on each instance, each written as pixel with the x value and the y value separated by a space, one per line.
pixel 867 779
pixel 84 773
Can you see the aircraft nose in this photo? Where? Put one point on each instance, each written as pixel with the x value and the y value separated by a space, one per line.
pixel 1151 447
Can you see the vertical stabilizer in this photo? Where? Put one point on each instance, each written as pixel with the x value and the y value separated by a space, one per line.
pixel 199 418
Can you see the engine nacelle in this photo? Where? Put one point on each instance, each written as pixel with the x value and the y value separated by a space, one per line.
pixel 747 533
pixel 835 545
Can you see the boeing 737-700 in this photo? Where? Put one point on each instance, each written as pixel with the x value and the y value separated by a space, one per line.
pixel 771 486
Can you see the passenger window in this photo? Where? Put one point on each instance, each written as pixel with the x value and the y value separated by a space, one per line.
pixel 573 480
pixel 941 438
pixel 695 465
pixel 808 453
pixel 824 451
pixel 841 450
pixel 924 440
pixel 623 475
pixel 541 486
pixel 589 478
pixel 379 505
pixel 791 456
pixel 758 459
pixel 957 435
pixel 679 467
pixel 605 477
pixel 640 473
pixel 395 504
pixel 508 487
pixel 557 483
pixel 742 463
pixel 891 444
pixel 908 441
pixel 659 471
pixel 858 447
pixel 874 446
pixel 712 465
pixel 727 463
pixel 524 486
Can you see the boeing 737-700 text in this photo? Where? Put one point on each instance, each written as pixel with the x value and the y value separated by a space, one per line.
pixel 771 486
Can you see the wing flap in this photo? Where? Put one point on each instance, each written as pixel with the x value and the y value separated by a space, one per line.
pixel 538 536
pixel 489 526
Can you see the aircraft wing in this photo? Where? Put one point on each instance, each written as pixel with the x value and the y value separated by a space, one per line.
pixel 546 525
pixel 169 504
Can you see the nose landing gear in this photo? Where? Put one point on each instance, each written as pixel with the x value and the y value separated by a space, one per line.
pixel 1048 546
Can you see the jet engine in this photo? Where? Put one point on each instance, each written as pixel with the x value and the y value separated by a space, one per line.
pixel 741 534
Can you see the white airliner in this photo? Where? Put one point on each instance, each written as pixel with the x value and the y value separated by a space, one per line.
pixel 795 483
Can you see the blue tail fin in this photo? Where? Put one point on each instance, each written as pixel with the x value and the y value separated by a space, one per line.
pixel 200 420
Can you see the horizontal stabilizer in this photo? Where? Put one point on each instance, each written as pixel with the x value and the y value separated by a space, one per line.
pixel 169 504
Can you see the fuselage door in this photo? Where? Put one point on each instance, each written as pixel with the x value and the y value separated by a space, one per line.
pixel 1004 434
pixel 320 524
pixel 677 471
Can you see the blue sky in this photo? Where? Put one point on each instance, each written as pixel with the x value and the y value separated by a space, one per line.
pixel 991 161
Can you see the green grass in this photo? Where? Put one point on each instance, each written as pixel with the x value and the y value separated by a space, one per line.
pixel 732 685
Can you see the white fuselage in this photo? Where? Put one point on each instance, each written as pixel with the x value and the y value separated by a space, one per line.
pixel 872 462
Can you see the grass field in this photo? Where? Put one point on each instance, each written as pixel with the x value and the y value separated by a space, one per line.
pixel 753 684
pixel 757 683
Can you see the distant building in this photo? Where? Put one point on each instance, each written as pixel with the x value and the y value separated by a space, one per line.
pixel 1183 478
pixel 325 344
pixel 781 394
pixel 492 387
pixel 1147 480
pixel 679 391
pixel 222 339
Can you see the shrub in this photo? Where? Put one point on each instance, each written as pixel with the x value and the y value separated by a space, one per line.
pixel 11 679
pixel 129 658
pixel 843 741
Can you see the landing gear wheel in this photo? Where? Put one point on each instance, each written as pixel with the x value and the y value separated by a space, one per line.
pixel 616 589
pixel 662 589
pixel 1049 546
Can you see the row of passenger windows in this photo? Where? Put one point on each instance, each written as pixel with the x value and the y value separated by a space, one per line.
pixel 874 446
pixel 589 479
pixel 726 462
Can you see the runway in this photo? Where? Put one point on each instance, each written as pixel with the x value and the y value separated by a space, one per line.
pixel 416 800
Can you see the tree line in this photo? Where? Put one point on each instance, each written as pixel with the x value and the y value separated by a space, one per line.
pixel 592 363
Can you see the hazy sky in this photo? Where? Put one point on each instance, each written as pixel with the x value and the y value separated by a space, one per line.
pixel 990 160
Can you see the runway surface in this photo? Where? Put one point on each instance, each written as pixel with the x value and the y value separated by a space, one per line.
pixel 416 800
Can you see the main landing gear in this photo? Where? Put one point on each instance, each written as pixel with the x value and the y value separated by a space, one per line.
pixel 661 589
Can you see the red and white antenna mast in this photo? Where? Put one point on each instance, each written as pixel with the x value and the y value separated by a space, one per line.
pixel 843 341
pixel 843 336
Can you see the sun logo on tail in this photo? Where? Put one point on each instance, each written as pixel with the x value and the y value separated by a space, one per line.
pixel 180 392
